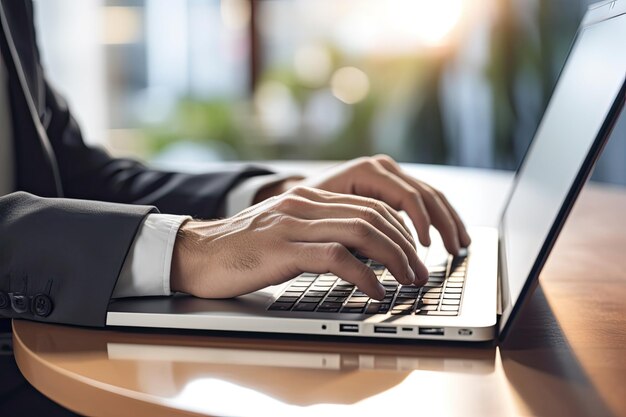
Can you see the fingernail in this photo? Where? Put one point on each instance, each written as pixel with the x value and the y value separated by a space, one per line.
pixel 423 274
pixel 411 275
pixel 381 291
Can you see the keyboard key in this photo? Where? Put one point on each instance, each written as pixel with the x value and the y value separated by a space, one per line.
pixel 432 290
pixel 404 301
pixel 330 304
pixel 320 287
pixel 299 284
pixel 292 293
pixel 305 307
pixel 456 279
pixel 450 302
pixel 281 306
pixel 395 312
pixel 429 307
pixel 452 296
pixel 315 293
pixel 321 309
pixel 286 299
pixel 454 290
pixel 307 299
pixel 449 308
pixel 372 309
pixel 335 299
pixel 429 301
pixel 354 299
pixel 384 308
pixel 355 305
pixel 352 310
pixel 431 295
pixel 409 290
pixel 336 293
pixel 454 285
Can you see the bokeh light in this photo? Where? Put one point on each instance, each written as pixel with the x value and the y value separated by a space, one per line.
pixel 350 85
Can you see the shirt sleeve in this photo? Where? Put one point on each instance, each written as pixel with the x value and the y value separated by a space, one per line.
pixel 146 271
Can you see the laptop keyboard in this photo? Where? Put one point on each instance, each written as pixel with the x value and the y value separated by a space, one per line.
pixel 327 293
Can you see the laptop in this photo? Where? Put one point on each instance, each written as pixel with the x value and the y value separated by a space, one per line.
pixel 478 295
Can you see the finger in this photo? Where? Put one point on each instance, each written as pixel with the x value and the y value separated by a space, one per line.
pixel 382 208
pixel 336 259
pixel 441 215
pixel 369 241
pixel 464 236
pixel 311 210
pixel 383 185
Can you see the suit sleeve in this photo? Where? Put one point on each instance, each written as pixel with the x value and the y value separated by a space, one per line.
pixel 60 258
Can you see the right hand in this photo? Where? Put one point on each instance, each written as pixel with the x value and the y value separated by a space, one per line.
pixel 279 238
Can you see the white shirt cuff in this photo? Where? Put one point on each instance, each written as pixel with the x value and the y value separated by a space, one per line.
pixel 242 195
pixel 146 271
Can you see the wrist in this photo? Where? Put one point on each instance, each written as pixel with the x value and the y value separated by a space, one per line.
pixel 181 262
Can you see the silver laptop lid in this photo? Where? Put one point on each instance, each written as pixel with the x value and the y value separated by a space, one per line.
pixel 584 106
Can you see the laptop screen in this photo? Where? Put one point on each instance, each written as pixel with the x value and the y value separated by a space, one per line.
pixel 587 89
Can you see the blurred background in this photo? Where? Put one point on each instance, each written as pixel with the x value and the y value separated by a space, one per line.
pixel 458 82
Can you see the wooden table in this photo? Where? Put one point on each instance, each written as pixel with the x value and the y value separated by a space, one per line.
pixel 567 357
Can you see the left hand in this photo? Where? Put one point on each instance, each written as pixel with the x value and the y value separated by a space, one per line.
pixel 381 178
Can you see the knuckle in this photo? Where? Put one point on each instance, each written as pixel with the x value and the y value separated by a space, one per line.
pixel 360 227
pixel 370 215
pixel 335 252
pixel 286 221
pixel 289 202
pixel 300 190
pixel 374 204
pixel 367 163
pixel 383 158
pixel 415 195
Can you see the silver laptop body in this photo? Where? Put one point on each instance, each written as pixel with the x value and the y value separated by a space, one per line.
pixel 470 298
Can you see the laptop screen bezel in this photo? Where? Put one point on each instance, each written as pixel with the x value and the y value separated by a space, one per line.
pixel 580 180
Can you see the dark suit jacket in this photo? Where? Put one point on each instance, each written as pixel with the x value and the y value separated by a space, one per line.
pixel 66 232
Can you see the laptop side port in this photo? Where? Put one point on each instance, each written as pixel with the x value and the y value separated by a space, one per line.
pixel 385 329
pixel 431 331
pixel 348 328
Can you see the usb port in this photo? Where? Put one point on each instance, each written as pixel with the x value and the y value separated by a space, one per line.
pixel 385 329
pixel 431 331
pixel 349 328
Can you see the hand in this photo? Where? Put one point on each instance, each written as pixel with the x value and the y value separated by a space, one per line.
pixel 381 178
pixel 302 230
